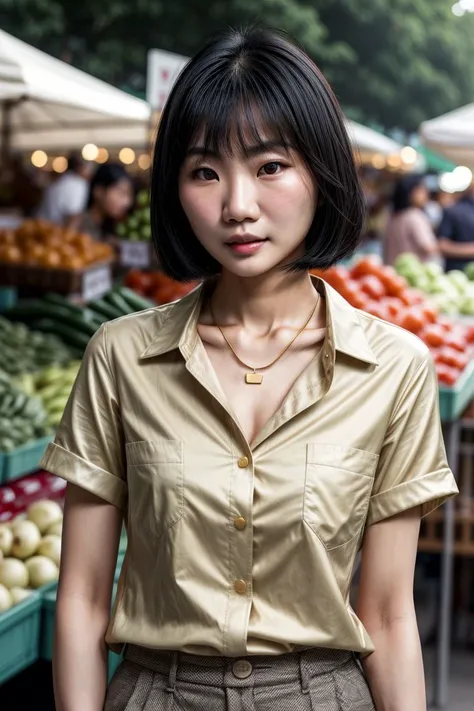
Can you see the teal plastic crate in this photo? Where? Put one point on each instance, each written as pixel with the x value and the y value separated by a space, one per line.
pixel 23 460
pixel 20 637
pixel 8 297
pixel 453 401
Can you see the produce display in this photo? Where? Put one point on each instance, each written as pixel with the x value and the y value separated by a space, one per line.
pixel 52 386
pixel 73 323
pixel 451 292
pixel 382 292
pixel 30 550
pixel 157 286
pixel 137 228
pixel 23 417
pixel 27 351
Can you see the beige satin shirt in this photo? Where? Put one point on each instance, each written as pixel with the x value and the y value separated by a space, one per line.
pixel 241 548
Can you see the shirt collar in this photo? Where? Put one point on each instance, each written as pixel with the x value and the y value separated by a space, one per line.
pixel 177 326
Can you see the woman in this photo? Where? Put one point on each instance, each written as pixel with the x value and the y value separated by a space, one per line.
pixel 409 228
pixel 253 435
pixel 111 195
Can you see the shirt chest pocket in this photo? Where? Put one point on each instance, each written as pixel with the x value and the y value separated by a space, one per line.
pixel 155 474
pixel 338 483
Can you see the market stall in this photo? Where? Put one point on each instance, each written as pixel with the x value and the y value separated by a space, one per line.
pixel 452 135
pixel 48 104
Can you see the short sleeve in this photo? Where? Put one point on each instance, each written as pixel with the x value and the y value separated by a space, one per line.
pixel 447 227
pixel 89 444
pixel 74 197
pixel 412 468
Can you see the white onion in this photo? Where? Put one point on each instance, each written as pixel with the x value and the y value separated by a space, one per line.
pixel 19 594
pixel 56 529
pixel 5 599
pixel 26 539
pixel 13 573
pixel 50 547
pixel 44 513
pixel 42 571
pixel 6 539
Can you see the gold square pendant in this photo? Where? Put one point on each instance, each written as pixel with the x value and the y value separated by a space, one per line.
pixel 253 378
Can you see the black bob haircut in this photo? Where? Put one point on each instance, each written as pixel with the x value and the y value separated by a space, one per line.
pixel 401 198
pixel 238 86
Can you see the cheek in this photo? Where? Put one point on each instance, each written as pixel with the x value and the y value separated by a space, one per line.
pixel 295 199
pixel 200 204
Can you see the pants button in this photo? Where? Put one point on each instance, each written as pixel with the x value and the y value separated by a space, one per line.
pixel 242 669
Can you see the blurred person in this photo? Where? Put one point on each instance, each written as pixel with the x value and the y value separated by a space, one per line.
pixel 456 232
pixel 409 228
pixel 111 196
pixel 255 435
pixel 66 197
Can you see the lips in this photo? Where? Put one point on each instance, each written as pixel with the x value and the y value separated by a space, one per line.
pixel 245 239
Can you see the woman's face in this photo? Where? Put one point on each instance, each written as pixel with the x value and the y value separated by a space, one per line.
pixel 419 196
pixel 251 212
pixel 116 200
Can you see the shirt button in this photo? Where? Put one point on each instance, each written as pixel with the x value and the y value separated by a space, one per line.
pixel 242 669
pixel 243 462
pixel 240 586
pixel 240 523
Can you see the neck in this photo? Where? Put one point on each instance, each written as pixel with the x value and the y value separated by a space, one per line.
pixel 96 215
pixel 264 302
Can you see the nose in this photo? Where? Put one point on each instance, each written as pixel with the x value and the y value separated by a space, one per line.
pixel 240 201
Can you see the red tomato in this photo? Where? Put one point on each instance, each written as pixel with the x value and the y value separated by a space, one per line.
pixel 433 335
pixel 446 324
pixel 412 320
pixel 372 286
pixel 377 309
pixel 452 357
pixel 394 306
pixel 372 264
pixel 337 277
pixel 456 341
pixel 446 374
pixel 429 312
pixel 469 335
pixel 394 283
pixel 412 297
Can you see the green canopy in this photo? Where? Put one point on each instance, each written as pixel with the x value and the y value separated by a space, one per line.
pixel 434 161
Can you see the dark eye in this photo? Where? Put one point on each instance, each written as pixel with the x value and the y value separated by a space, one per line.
pixel 205 174
pixel 272 168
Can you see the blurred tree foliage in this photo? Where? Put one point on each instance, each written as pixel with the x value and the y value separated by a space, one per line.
pixel 392 62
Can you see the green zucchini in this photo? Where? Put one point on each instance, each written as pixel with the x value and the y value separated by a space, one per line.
pixel 116 300
pixel 102 307
pixel 138 303
pixel 66 333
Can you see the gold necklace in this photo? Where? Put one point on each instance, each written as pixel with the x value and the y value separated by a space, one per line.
pixel 255 378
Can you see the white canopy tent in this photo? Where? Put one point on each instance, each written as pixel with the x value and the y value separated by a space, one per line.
pixel 366 140
pixel 452 135
pixel 47 104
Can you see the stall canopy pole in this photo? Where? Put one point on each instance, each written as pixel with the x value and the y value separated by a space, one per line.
pixel 6 132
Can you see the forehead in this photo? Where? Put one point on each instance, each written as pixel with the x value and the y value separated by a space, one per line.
pixel 243 133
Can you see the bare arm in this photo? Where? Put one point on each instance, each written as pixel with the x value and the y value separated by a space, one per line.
pixel 386 608
pixel 456 249
pixel 90 544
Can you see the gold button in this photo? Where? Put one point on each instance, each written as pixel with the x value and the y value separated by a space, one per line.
pixel 240 586
pixel 243 462
pixel 240 523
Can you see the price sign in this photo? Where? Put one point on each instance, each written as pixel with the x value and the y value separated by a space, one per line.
pixel 96 282
pixel 135 254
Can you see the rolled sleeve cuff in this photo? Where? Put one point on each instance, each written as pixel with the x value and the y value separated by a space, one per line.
pixel 78 471
pixel 429 492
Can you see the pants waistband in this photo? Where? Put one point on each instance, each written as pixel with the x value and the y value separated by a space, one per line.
pixel 253 670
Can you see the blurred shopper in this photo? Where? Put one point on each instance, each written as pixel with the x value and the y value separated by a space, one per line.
pixel 254 435
pixel 409 228
pixel 111 195
pixel 456 232
pixel 67 196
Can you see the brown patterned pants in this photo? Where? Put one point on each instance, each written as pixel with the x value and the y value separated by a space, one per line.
pixel 313 680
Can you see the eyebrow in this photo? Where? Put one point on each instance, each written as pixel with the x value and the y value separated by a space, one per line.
pixel 251 151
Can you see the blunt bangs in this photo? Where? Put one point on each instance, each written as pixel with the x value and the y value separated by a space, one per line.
pixel 244 89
